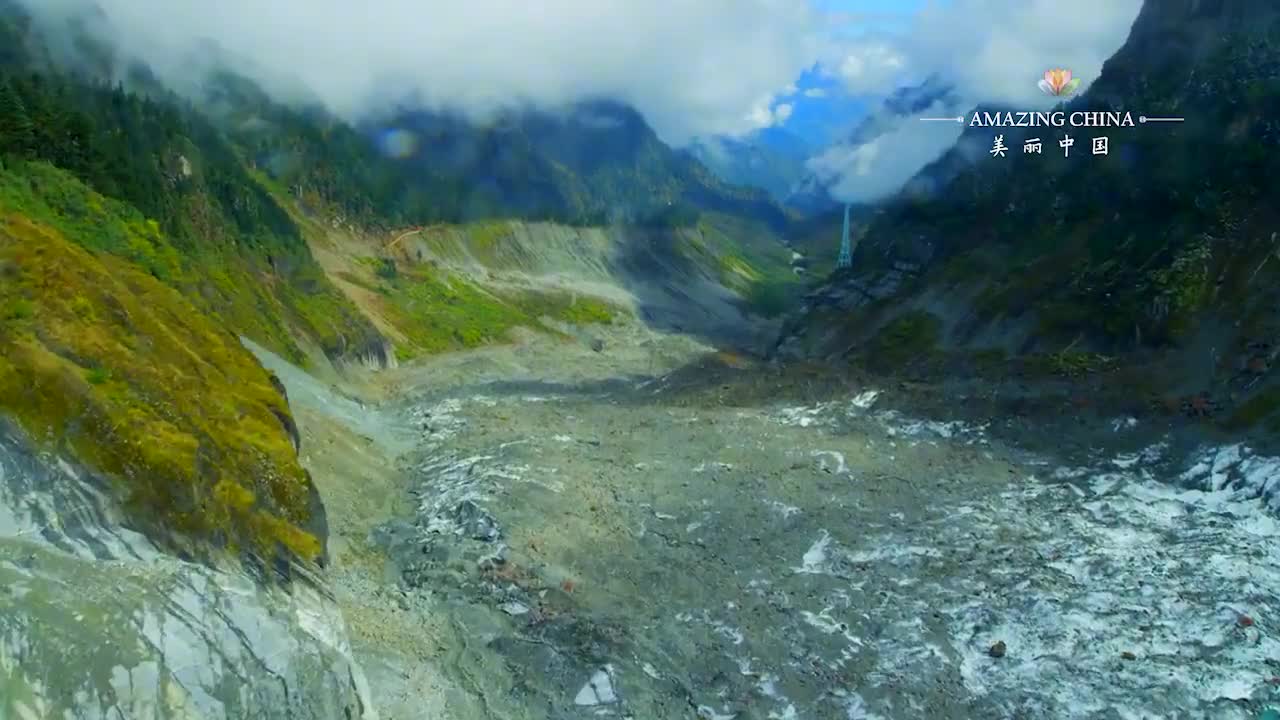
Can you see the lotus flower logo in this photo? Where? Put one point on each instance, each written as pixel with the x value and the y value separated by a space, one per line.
pixel 1058 82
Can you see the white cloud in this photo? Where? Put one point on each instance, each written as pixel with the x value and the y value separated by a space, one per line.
pixel 990 51
pixel 691 66
pixel 815 93
pixel 871 67
pixel 872 170
pixel 995 51
pixel 768 113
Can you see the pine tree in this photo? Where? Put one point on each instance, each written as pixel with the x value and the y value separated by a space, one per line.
pixel 17 135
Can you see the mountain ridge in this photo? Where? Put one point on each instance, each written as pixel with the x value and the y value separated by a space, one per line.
pixel 1157 252
pixel 214 214
pixel 771 159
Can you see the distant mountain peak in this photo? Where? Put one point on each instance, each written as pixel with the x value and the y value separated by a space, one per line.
pixel 812 193
pixel 771 159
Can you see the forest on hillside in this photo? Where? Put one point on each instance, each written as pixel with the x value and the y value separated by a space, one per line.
pixel 1125 249
pixel 111 123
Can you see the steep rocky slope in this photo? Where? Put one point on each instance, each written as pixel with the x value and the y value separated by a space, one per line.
pixel 1161 254
pixel 208 221
pixel 158 531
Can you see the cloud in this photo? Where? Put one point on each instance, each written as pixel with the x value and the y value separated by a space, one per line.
pixel 693 67
pixel 767 113
pixel 871 67
pixel 815 93
pixel 988 51
pixel 872 170
pixel 994 51
pixel 991 50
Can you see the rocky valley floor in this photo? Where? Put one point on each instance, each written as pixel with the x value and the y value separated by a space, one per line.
pixel 655 530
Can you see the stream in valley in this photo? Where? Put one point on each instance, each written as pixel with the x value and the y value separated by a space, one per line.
pixel 544 531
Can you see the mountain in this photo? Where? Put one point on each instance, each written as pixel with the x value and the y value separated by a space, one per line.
pixel 812 193
pixel 156 249
pixel 1160 255
pixel 589 163
pixel 209 208
pixel 772 159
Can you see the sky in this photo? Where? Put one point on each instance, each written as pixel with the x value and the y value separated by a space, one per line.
pixel 692 67
pixel 991 52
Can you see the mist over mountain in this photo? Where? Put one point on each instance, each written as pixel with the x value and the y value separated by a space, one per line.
pixel 951 58
pixel 404 157
pixel 369 62
pixel 1162 243
pixel 391 359
pixel 359 57
pixel 772 159
pixel 883 151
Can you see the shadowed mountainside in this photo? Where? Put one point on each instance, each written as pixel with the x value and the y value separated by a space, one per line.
pixel 1163 252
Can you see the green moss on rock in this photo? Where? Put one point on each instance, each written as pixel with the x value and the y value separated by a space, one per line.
pixel 122 370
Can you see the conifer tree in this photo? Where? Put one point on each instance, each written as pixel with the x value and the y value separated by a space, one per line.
pixel 17 136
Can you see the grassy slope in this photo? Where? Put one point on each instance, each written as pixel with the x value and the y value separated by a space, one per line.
pixel 437 311
pixel 118 346
pixel 100 357
pixel 284 311
pixel 749 259
pixel 448 288
pixel 425 308
pixel 119 325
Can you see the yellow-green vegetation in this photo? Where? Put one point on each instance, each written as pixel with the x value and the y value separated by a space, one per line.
pixel 485 238
pixel 439 312
pixel 271 306
pixel 565 307
pixel 907 339
pixel 491 243
pixel 732 266
pixel 99 357
pixel 719 241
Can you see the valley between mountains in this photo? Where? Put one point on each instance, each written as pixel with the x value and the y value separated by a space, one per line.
pixel 534 416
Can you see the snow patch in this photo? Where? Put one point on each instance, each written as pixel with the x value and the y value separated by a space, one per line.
pixel 598 690
pixel 865 399
pixel 814 561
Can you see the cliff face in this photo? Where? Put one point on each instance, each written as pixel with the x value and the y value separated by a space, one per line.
pixel 1165 247
pixel 96 621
